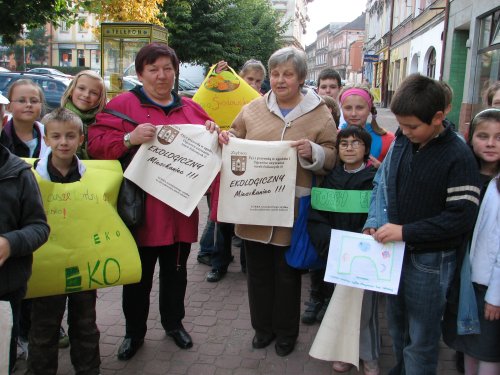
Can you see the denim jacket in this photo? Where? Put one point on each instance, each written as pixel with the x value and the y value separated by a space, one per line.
pixel 468 316
pixel 377 215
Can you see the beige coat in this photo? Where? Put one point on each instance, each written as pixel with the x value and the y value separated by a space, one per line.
pixel 262 120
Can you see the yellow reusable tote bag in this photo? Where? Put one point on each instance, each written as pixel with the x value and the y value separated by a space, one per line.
pixel 89 246
pixel 222 95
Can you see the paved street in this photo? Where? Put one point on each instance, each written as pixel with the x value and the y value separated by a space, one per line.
pixel 218 318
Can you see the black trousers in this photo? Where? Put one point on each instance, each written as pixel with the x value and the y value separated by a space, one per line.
pixel 46 316
pixel 15 299
pixel 321 291
pixel 173 282
pixel 273 290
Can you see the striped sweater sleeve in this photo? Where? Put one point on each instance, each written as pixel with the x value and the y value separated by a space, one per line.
pixel 460 210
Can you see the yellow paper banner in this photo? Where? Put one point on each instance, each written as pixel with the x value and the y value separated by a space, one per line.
pixel 89 245
pixel 222 95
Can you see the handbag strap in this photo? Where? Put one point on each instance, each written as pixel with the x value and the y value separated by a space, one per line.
pixel 120 115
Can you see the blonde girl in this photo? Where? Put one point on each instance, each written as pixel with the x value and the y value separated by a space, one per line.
pixel 23 134
pixel 252 71
pixel 357 104
pixel 85 96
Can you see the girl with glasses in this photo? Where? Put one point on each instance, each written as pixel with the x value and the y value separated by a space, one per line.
pixel 23 134
pixel 351 173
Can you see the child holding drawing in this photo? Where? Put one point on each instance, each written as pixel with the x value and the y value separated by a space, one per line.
pixel 352 173
pixel 426 193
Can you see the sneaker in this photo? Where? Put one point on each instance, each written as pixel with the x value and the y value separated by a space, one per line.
pixel 63 338
pixel 204 259
pixel 215 276
pixel 322 311
pixel 22 348
pixel 311 311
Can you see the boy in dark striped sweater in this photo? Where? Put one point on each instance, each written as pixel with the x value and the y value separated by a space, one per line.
pixel 426 193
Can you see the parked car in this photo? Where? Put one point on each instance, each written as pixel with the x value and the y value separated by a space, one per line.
pixel 57 74
pixel 187 88
pixel 52 88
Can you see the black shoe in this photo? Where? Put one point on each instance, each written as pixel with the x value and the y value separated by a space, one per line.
pixel 261 341
pixel 310 314
pixel 181 338
pixel 204 259
pixel 128 348
pixel 215 276
pixel 284 347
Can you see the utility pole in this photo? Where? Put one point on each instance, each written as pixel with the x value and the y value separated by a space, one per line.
pixel 385 89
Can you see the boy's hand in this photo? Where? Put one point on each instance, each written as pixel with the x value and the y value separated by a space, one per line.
pixel 4 250
pixel 369 231
pixel 491 312
pixel 389 233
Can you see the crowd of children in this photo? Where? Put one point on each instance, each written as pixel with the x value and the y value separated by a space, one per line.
pixel 428 187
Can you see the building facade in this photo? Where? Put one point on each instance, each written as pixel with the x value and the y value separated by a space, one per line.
pixel 296 11
pixel 338 45
pixel 75 45
pixel 472 58
pixel 402 37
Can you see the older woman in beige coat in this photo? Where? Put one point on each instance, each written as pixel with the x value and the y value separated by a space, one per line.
pixel 288 113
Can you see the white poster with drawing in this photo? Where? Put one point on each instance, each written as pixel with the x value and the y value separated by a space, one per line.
pixel 357 260
pixel 178 166
pixel 257 184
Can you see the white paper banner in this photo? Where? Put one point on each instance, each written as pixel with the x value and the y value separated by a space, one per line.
pixel 359 261
pixel 178 166
pixel 257 183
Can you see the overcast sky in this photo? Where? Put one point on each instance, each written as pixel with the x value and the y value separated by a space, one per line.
pixel 322 12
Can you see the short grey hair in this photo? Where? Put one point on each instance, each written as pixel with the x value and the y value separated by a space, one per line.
pixel 297 56
pixel 62 115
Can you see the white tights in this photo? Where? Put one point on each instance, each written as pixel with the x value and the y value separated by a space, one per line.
pixel 474 366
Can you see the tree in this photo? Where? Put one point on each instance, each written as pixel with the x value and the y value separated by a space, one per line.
pixel 31 47
pixel 38 51
pixel 123 11
pixel 206 31
pixel 33 14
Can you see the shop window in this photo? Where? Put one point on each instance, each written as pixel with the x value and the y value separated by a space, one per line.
pixel 65 57
pixel 81 57
pixel 488 56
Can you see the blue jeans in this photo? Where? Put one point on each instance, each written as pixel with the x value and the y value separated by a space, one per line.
pixel 414 314
pixel 207 241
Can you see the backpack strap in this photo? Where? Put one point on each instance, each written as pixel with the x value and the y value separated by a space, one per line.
pixel 120 115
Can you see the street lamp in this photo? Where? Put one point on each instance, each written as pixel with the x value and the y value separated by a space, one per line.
pixel 23 37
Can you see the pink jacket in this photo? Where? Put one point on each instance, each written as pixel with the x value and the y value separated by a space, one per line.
pixel 162 225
